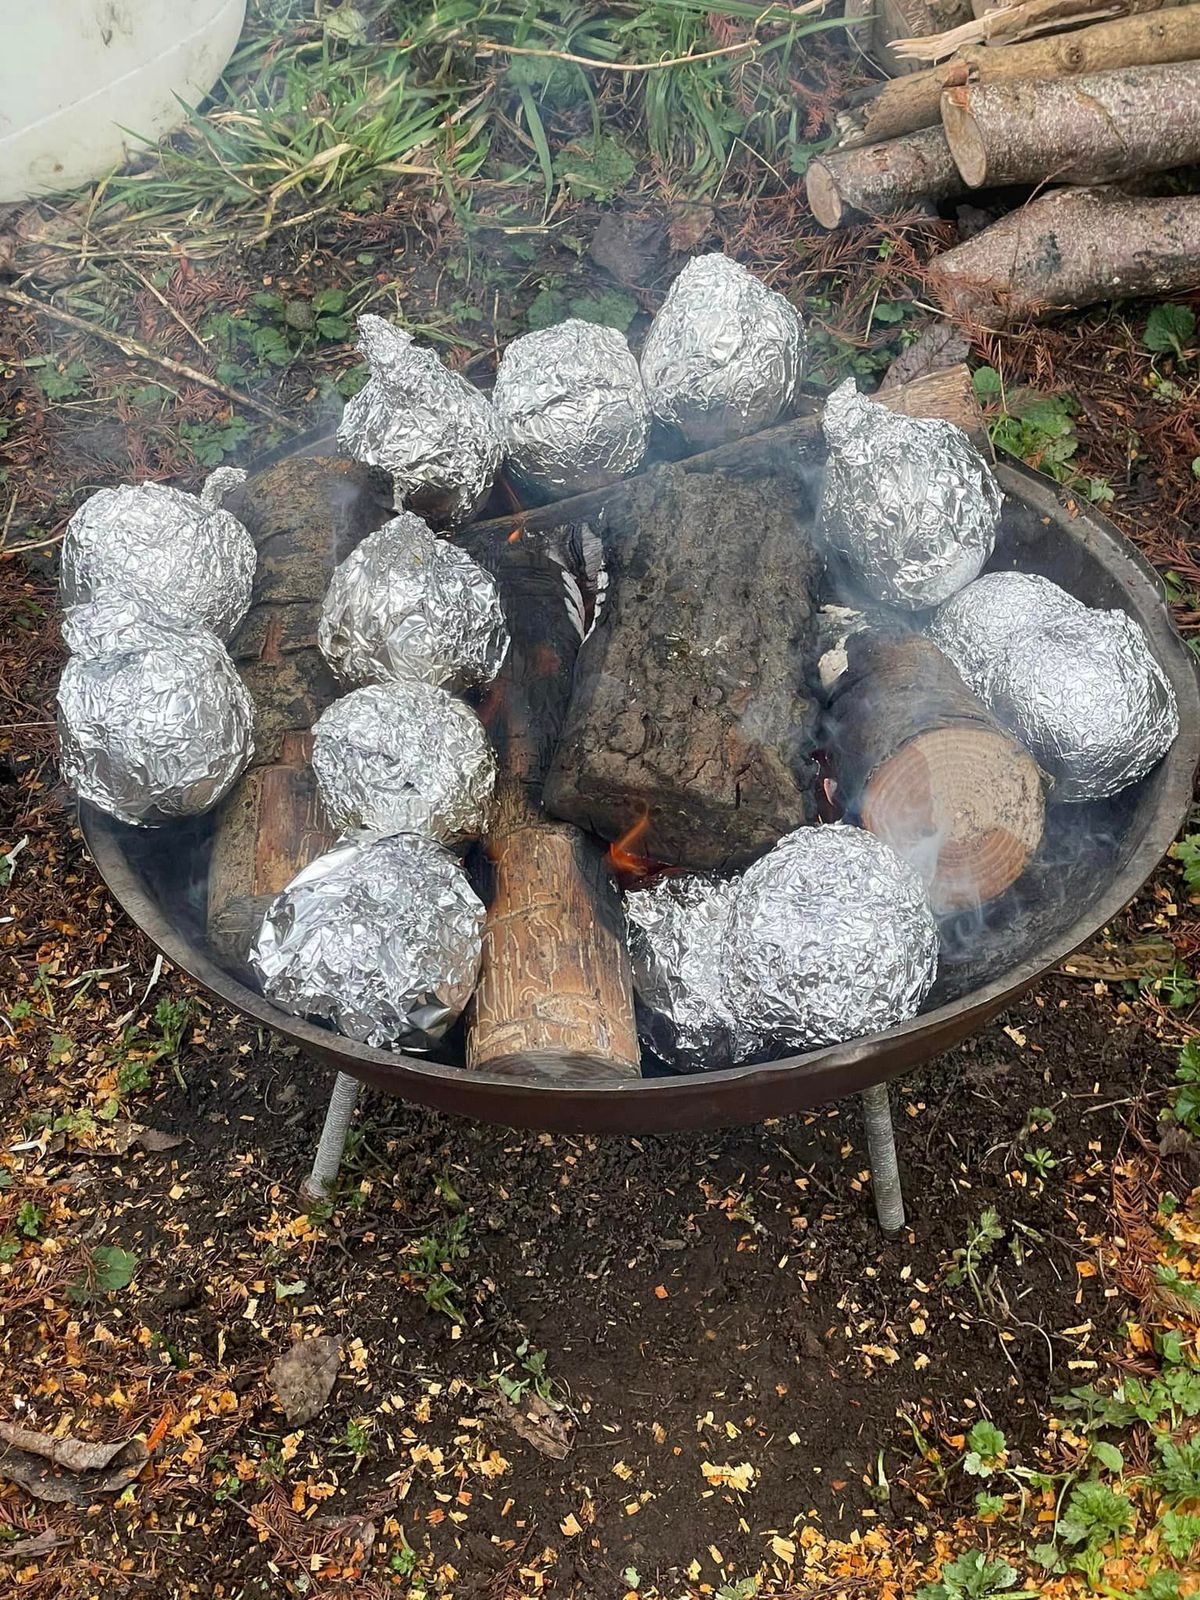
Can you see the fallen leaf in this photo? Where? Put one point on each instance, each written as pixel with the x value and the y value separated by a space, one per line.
pixel 537 1423
pixel 70 1471
pixel 936 347
pixel 303 1378
pixel 26 1549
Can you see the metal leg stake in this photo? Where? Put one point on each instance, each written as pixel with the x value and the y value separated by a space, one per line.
pixel 321 1179
pixel 881 1151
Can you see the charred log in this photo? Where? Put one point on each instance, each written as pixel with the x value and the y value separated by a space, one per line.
pixel 305 515
pixel 689 711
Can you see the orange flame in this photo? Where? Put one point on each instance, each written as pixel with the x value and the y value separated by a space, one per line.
pixel 514 536
pixel 623 855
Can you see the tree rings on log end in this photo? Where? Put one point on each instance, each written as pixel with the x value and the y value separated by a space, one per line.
pixel 965 139
pixel 824 201
pixel 965 806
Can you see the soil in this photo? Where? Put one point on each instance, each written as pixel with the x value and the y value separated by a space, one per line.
pixel 709 1301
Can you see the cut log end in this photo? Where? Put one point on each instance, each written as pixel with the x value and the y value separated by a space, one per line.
pixel 824 201
pixel 964 138
pixel 965 806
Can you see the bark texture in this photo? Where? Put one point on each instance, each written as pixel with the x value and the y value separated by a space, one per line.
pixel 1093 129
pixel 305 515
pixel 913 102
pixel 688 712
pixel 555 993
pixel 881 180
pixel 1071 248
pixel 924 765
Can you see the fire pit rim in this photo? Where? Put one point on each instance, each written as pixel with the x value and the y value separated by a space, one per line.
pixel 755 1091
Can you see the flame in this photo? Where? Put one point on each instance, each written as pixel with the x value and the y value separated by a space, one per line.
pixel 623 855
pixel 514 536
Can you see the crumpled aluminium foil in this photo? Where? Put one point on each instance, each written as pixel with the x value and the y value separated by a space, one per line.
pixel 405 604
pixel 831 936
pixel 676 943
pixel 571 406
pixel 182 555
pixel 220 482
pixel 379 937
pixel 974 626
pixel 404 757
pixel 1087 697
pixel 909 502
pixel 113 622
pixel 432 430
pixel 724 354
pixel 158 727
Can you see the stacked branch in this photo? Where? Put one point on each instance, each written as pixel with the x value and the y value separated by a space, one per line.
pixel 1113 101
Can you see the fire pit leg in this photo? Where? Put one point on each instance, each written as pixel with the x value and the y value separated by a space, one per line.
pixel 321 1179
pixel 881 1152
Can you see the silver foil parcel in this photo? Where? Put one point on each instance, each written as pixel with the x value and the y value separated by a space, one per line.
pixel 909 503
pixel 434 432
pixel 571 407
pixel 830 937
pixel 724 355
pixel 380 938
pixel 404 757
pixel 405 604
pixel 974 626
pixel 676 948
pixel 1085 694
pixel 188 558
pixel 156 726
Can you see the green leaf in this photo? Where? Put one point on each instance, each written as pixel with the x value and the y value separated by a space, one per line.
pixel 347 24
pixel 611 308
pixel 1094 1514
pixel 1169 328
pixel 989 1505
pixel 546 308
pixel 114 1267
pixel 1180 1532
pixel 632 1577
pixel 986 1438
pixel 336 328
pixel 1108 1455
pixel 986 383
pixel 1196 466
pixel 891 310
pixel 333 300
pixel 595 169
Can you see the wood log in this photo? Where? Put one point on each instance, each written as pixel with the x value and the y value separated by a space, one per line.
pixel 305 515
pixel 1093 129
pixel 1011 24
pixel 881 180
pixel 1070 248
pixel 905 104
pixel 555 992
pixel 688 715
pixel 921 763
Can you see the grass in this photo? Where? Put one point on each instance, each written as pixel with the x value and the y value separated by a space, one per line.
pixel 320 111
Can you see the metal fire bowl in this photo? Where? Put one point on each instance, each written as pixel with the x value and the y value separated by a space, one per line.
pixel 1094 860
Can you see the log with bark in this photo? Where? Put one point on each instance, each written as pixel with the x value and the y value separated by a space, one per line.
pixel 912 102
pixel 881 180
pixel 689 713
pixel 1093 129
pixel 1070 248
pixel 555 993
pixel 1011 24
pixel 921 762
pixel 305 515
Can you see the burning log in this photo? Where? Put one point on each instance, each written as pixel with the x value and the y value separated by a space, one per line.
pixel 1093 129
pixel 688 706
pixel 555 983
pixel 907 103
pixel 1071 248
pixel 880 180
pixel 927 768
pixel 305 515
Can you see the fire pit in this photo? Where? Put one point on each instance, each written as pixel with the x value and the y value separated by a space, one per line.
pixel 1091 862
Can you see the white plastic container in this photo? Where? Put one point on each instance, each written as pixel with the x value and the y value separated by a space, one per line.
pixel 75 74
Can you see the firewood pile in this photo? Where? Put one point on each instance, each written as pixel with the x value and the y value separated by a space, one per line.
pixel 1067 107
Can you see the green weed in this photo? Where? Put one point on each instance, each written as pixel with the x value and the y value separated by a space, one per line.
pixel 966 1262
pixel 973 1577
pixel 429 1265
